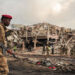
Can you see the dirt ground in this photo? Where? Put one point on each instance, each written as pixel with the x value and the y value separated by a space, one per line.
pixel 23 67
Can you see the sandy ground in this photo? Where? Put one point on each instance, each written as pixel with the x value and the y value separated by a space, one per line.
pixel 23 67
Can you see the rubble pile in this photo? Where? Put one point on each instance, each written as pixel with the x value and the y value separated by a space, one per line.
pixel 27 67
pixel 60 65
pixel 65 67
pixel 62 38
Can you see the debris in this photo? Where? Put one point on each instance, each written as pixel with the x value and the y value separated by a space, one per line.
pixel 60 37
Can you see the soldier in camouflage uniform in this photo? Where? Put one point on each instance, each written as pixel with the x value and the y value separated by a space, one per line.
pixel 5 21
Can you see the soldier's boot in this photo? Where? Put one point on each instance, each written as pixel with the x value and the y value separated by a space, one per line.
pixel 3 65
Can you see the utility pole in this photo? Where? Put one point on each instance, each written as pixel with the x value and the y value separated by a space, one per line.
pixel 48 34
pixel 26 35
pixel 35 41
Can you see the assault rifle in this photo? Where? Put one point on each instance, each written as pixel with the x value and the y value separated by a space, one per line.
pixel 4 49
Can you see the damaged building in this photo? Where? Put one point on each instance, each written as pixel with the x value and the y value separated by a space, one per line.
pixel 41 33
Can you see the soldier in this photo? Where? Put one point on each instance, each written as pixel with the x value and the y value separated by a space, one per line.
pixel 48 49
pixel 5 21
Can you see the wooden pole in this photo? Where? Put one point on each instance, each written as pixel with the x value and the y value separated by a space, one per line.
pixel 26 35
pixel 68 52
pixel 35 41
pixel 23 46
pixel 48 34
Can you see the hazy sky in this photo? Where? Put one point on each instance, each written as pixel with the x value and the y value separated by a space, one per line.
pixel 58 12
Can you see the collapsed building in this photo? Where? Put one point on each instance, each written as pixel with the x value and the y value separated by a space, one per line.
pixel 42 33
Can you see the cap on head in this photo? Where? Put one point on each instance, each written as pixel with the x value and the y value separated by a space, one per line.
pixel 7 16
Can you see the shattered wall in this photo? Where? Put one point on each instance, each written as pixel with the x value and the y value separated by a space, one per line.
pixel 64 37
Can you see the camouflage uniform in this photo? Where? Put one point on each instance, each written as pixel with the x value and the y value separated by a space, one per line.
pixel 3 61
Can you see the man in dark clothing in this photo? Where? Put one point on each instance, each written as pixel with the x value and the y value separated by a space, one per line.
pixel 44 49
pixel 52 49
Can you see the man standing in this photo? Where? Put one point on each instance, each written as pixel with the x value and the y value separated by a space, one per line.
pixel 48 49
pixel 44 49
pixel 52 48
pixel 5 21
